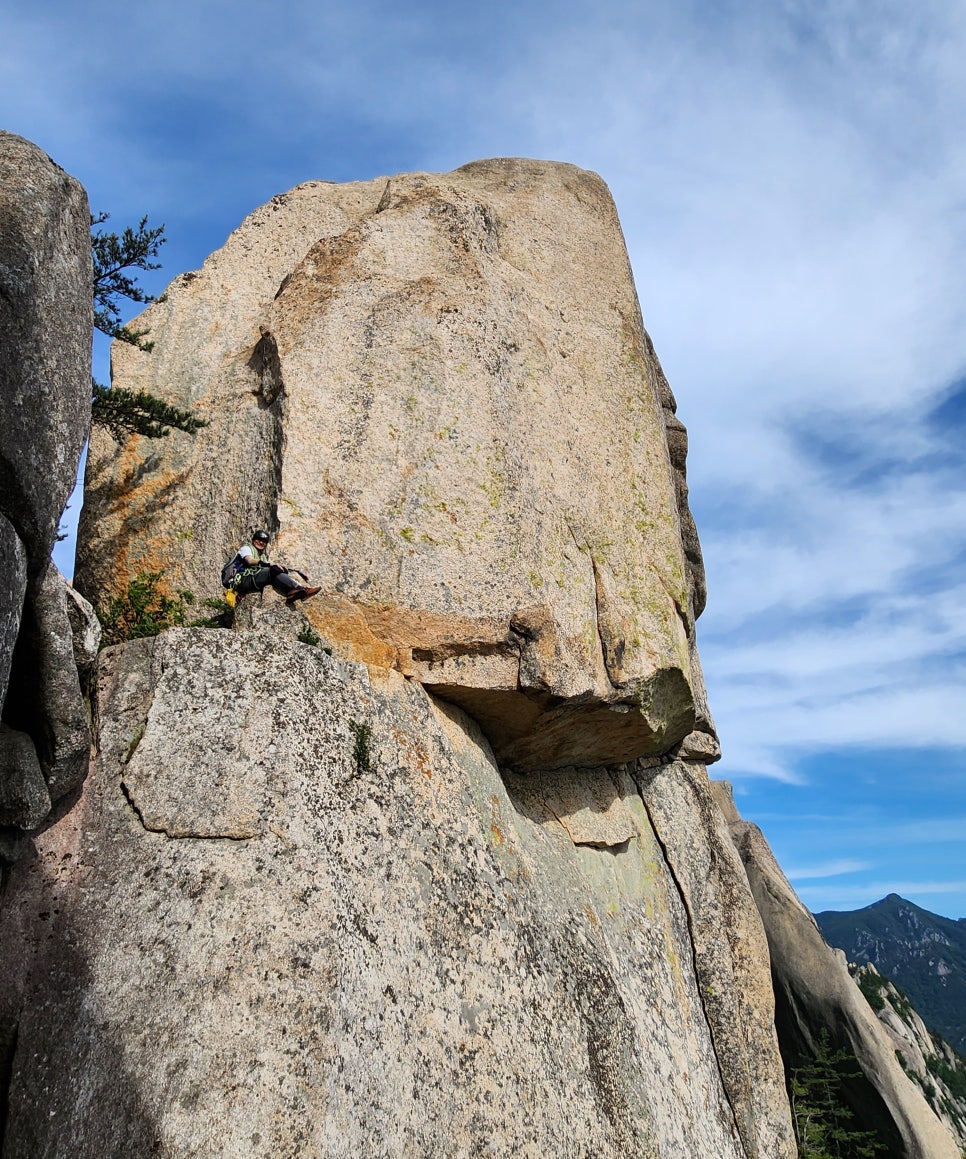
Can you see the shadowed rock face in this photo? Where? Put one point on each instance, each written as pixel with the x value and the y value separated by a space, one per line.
pixel 45 407
pixel 814 992
pixel 45 341
pixel 438 389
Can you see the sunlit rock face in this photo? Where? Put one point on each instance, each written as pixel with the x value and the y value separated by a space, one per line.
pixel 923 1053
pixel 429 865
pixel 299 910
pixel 437 389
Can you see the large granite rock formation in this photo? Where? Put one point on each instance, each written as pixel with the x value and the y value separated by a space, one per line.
pixel 453 883
pixel 814 992
pixel 299 911
pixel 439 390
pixel 45 403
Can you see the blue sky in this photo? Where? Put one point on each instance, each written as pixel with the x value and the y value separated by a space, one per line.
pixel 791 178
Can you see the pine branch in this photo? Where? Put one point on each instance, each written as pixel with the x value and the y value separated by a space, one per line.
pixel 124 412
pixel 113 255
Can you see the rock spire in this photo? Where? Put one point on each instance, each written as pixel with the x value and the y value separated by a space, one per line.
pixel 437 388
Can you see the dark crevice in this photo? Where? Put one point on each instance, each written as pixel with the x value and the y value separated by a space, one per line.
pixel 137 812
pixel 8 1052
pixel 386 198
pixel 616 849
pixel 459 648
pixel 266 483
pixel 613 655
pixel 129 797
pixel 525 631
pixel 267 367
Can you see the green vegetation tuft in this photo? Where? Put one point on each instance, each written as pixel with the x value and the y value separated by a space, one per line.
pixel 872 986
pixel 145 608
pixel 148 607
pixel 361 752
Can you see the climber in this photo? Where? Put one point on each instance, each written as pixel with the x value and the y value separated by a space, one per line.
pixel 252 571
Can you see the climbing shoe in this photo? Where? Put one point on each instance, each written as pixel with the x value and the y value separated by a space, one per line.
pixel 301 594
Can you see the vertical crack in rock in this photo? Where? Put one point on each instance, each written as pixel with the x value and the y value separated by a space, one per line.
pixel 682 894
pixel 126 793
pixel 386 200
pixel 269 389
pixel 597 600
pixel 611 653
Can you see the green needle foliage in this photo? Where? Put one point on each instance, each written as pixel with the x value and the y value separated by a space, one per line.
pixel 113 256
pixel 361 751
pixel 124 412
pixel 822 1118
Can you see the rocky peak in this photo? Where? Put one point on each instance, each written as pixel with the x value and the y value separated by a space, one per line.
pixel 923 952
pixel 438 390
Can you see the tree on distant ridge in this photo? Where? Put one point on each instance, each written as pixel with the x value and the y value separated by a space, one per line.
pixel 123 411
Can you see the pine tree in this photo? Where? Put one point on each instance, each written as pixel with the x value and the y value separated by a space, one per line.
pixel 120 411
pixel 822 1119
pixel 113 256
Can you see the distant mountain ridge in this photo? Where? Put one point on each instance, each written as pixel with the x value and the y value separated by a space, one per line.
pixel 921 951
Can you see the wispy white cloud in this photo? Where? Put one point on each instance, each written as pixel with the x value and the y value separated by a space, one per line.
pixel 802 268
pixel 852 830
pixel 838 868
